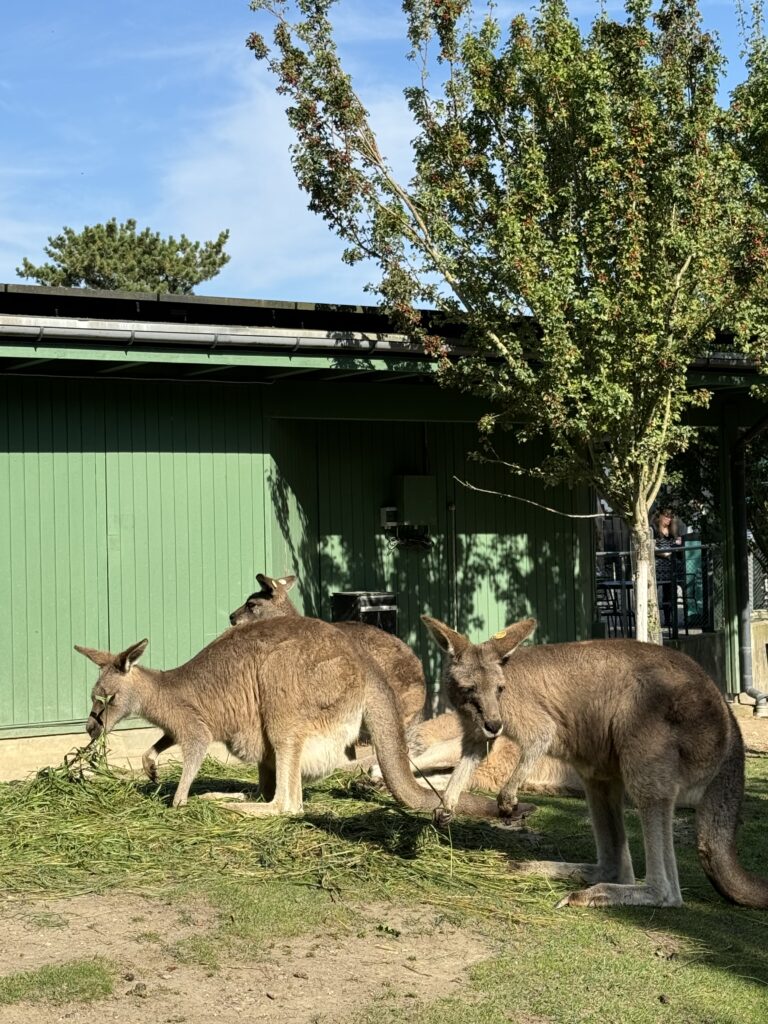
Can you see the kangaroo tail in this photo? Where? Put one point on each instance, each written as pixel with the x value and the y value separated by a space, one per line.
pixel 717 821
pixel 383 721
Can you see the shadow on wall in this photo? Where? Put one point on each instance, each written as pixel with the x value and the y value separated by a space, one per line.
pixel 492 560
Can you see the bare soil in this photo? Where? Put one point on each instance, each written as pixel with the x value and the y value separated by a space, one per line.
pixel 412 956
pixel 754 730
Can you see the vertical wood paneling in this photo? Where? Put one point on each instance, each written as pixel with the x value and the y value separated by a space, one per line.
pixel 52 552
pixel 132 509
pixel 127 510
pixel 513 558
pixel 292 512
pixel 7 596
pixel 181 492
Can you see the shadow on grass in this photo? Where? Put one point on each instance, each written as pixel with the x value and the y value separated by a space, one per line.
pixel 399 830
pixel 712 932
pixel 165 788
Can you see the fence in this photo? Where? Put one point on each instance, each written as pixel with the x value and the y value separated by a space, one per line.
pixel 689 594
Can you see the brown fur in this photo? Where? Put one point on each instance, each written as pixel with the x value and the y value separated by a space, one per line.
pixel 288 693
pixel 435 745
pixel 399 665
pixel 627 716
pixel 397 662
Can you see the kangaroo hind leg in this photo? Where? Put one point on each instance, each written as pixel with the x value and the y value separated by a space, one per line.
pixel 287 797
pixel 614 862
pixel 662 887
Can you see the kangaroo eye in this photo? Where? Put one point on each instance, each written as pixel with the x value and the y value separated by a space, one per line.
pixel 500 690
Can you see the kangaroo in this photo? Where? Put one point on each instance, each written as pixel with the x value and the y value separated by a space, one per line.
pixel 628 716
pixel 435 744
pixel 289 694
pixel 400 666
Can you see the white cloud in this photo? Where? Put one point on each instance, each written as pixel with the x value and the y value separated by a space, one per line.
pixel 236 173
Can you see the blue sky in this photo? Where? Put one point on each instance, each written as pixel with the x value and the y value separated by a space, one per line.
pixel 154 109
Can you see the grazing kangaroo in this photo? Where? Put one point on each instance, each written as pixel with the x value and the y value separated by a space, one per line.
pixel 399 665
pixel 627 716
pixel 287 693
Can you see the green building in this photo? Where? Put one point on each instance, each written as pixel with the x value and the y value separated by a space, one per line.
pixel 158 451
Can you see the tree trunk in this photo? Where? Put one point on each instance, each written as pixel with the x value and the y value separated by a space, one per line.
pixel 646 600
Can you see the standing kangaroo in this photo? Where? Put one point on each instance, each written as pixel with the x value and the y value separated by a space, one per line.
pixel 399 665
pixel 287 693
pixel 627 716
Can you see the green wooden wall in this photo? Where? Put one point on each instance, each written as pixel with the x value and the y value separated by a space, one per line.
pixel 126 510
pixel 326 485
pixel 133 509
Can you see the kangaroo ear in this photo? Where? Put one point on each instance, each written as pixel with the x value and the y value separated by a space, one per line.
pixel 447 639
pixel 509 639
pixel 266 583
pixel 125 660
pixel 273 585
pixel 100 658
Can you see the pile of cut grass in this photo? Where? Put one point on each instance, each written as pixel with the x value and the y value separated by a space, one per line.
pixel 85 827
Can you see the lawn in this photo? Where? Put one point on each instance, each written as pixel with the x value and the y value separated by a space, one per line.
pixel 359 899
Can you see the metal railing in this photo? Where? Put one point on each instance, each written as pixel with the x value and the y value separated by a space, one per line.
pixel 688 590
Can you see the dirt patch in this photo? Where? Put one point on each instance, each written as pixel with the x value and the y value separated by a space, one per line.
pixel 754 730
pixel 397 957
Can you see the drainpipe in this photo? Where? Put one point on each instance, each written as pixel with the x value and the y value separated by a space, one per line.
pixel 741 553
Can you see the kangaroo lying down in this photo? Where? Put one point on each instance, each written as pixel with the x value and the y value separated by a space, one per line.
pixel 397 662
pixel 289 694
pixel 434 748
pixel 628 716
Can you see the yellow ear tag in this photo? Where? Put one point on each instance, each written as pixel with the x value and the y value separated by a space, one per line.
pixel 501 635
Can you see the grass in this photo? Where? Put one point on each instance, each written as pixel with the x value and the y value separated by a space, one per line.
pixel 82 828
pixel 72 830
pixel 83 981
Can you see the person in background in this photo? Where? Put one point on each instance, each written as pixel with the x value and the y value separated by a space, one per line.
pixel 667 538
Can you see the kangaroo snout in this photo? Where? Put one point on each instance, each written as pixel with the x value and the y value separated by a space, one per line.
pixel 93 726
pixel 493 727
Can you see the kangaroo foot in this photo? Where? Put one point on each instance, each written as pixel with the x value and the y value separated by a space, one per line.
pixel 607 894
pixel 255 810
pixel 222 796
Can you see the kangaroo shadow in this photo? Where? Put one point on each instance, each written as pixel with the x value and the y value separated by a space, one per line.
pixel 165 788
pixel 712 932
pixel 400 831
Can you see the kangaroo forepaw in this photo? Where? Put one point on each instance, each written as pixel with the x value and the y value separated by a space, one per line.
pixel 150 768
pixel 442 817
pixel 517 811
